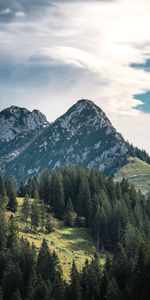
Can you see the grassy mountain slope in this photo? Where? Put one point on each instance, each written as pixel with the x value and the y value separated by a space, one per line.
pixel 69 243
pixel 137 172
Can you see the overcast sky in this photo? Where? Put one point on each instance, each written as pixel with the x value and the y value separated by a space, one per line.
pixel 54 52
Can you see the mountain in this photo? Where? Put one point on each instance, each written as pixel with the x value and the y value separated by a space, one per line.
pixel 137 172
pixel 83 136
pixel 18 128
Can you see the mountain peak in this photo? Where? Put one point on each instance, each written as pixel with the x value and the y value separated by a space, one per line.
pixel 84 113
pixel 15 120
pixel 83 136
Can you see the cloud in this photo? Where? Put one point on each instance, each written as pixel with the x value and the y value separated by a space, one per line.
pixel 5 11
pixel 60 51
pixel 20 14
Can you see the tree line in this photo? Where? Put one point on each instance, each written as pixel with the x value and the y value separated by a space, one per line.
pixel 111 211
pixel 116 215
pixel 28 274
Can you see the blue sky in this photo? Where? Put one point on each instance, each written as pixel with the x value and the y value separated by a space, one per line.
pixel 54 52
pixel 145 107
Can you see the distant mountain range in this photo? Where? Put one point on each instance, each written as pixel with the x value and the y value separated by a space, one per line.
pixel 83 136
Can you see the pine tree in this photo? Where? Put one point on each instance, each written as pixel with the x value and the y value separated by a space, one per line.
pixel 35 215
pixel 2 185
pixel 12 279
pixel 41 291
pixel 3 228
pixel 113 292
pixel 119 266
pixel 12 238
pixel 48 224
pixel 97 219
pixel 84 199
pixel 22 190
pixel 45 187
pixel 70 215
pixel 43 213
pixel 11 193
pixel 16 295
pixel 58 196
pixel 25 211
pixel 44 261
pixel 75 287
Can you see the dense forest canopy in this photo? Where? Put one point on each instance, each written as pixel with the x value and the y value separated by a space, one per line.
pixel 115 214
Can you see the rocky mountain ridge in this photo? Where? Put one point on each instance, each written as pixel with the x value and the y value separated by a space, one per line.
pixel 83 136
pixel 18 127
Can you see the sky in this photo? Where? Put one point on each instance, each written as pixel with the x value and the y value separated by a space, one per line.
pixel 54 52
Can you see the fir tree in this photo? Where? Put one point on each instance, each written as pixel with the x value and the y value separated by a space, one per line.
pixel 70 215
pixel 35 215
pixel 75 287
pixel 11 193
pixel 58 196
pixel 12 238
pixel 26 211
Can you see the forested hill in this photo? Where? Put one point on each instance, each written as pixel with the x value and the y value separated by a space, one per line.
pixel 116 216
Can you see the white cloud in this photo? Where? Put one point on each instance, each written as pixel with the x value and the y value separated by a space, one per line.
pixel 20 14
pixel 5 11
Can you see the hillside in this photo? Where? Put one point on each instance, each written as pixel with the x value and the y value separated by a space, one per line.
pixel 69 243
pixel 137 172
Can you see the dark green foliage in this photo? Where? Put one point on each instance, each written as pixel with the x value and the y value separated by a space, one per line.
pixel 75 287
pixel 12 280
pixel 2 185
pixel 85 197
pixel 141 154
pixel 117 216
pixel 11 193
pixel 44 261
pixel 84 204
pixel 12 235
pixel 45 187
pixel 35 215
pixel 48 224
pixel 70 214
pixel 26 210
pixel 58 196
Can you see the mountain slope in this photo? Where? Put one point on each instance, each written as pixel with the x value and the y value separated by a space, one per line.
pixel 83 136
pixel 18 127
pixel 137 172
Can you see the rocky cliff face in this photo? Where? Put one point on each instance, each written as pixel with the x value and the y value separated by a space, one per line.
pixel 83 136
pixel 18 128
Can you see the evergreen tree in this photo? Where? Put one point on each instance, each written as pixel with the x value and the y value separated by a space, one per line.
pixel 35 215
pixel 75 287
pixel 3 228
pixel 44 261
pixel 113 292
pixel 58 196
pixel 12 238
pixel 26 210
pixel 16 295
pixel 84 199
pixel 11 193
pixel 48 224
pixel 2 185
pixel 12 280
pixel 45 187
pixel 70 215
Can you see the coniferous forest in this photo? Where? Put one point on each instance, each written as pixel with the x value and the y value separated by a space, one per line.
pixel 116 215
